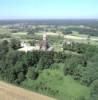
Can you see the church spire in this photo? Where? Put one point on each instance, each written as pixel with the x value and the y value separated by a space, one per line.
pixel 44 35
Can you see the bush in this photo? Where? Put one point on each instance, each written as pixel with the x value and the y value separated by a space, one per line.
pixel 20 77
pixel 32 74
pixel 94 90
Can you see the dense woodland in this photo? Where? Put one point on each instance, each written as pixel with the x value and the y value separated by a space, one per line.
pixel 31 70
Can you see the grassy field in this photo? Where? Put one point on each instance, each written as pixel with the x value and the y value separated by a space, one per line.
pixel 4 30
pixel 19 33
pixel 82 38
pixel 49 33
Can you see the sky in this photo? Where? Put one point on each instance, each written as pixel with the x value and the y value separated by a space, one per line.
pixel 48 9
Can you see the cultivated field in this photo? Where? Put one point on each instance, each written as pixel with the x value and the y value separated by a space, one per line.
pixel 10 92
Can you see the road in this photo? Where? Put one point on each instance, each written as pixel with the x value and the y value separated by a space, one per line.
pixel 11 92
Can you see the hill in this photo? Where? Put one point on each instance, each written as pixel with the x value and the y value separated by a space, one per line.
pixel 10 92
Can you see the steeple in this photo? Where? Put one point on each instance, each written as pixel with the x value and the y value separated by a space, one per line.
pixel 44 37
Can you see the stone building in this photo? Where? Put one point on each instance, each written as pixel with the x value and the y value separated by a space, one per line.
pixel 43 45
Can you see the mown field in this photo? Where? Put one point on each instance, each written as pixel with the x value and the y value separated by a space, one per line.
pixel 11 92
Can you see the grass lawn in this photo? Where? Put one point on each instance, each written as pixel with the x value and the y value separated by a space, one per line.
pixel 82 38
pixel 19 34
pixel 4 30
pixel 58 47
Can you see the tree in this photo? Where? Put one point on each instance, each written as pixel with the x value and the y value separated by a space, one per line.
pixel 71 65
pixel 4 48
pixel 9 75
pixel 15 44
pixel 46 60
pixel 90 73
pixel 20 77
pixel 94 90
pixel 32 74
pixel 31 32
pixel 12 57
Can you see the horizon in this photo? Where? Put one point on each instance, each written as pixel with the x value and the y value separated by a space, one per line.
pixel 50 9
pixel 49 19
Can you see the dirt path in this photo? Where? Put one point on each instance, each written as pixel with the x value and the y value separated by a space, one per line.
pixel 10 92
